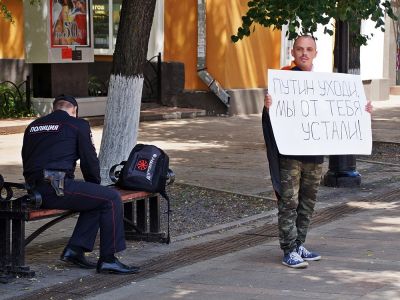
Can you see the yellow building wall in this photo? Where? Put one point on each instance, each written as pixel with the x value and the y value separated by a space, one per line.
pixel 235 65
pixel 180 38
pixel 248 60
pixel 12 34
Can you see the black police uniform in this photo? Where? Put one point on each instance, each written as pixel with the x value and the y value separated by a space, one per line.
pixel 56 142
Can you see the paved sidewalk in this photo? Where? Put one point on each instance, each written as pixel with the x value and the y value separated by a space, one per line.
pixel 149 112
pixel 360 260
pixel 359 249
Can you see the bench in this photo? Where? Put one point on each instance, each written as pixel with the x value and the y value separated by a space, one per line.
pixel 141 221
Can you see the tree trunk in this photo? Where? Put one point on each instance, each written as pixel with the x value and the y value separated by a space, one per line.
pixel 121 120
pixel 396 28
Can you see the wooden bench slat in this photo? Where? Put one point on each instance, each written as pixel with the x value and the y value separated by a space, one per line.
pixel 44 213
pixel 132 195
pixel 126 196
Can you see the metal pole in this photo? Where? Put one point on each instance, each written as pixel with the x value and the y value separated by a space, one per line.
pixel 28 92
pixel 342 168
pixel 159 77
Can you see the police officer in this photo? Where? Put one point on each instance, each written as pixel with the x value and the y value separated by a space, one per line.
pixel 51 147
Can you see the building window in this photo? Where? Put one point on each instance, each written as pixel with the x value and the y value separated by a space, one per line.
pixel 106 14
pixel 105 28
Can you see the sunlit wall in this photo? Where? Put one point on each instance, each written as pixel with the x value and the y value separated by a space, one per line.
pixel 240 65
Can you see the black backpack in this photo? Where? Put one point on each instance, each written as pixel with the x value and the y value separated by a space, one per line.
pixel 147 169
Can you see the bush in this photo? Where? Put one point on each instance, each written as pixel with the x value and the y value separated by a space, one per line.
pixel 96 87
pixel 13 102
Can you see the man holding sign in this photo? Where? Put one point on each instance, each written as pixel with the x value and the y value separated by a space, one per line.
pixel 296 170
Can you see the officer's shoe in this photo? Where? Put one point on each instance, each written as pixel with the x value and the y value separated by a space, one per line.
pixel 294 260
pixel 115 267
pixel 77 258
pixel 306 254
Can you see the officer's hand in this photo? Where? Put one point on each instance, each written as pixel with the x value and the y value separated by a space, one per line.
pixel 369 107
pixel 267 101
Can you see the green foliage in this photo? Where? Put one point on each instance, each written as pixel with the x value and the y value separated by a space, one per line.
pixel 303 16
pixel 12 102
pixel 5 12
pixel 96 87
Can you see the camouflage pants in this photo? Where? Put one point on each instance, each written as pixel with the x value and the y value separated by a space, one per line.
pixel 300 182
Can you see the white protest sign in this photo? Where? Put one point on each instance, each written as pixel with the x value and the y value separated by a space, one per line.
pixel 319 113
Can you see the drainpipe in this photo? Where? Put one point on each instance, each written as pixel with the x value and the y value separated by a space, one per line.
pixel 207 78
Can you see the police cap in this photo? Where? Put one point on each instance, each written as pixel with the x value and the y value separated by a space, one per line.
pixel 68 98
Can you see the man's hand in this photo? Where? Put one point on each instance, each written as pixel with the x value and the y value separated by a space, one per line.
pixel 369 107
pixel 267 101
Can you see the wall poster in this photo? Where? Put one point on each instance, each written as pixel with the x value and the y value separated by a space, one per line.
pixel 69 23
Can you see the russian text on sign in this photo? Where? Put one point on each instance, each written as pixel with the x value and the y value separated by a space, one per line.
pixel 319 113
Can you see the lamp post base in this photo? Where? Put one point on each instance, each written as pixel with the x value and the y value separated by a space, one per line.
pixel 342 172
pixel 342 179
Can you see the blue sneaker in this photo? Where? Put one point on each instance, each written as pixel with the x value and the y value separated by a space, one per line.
pixel 307 255
pixel 294 260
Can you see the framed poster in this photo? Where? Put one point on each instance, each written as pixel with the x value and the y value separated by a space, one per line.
pixel 69 23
